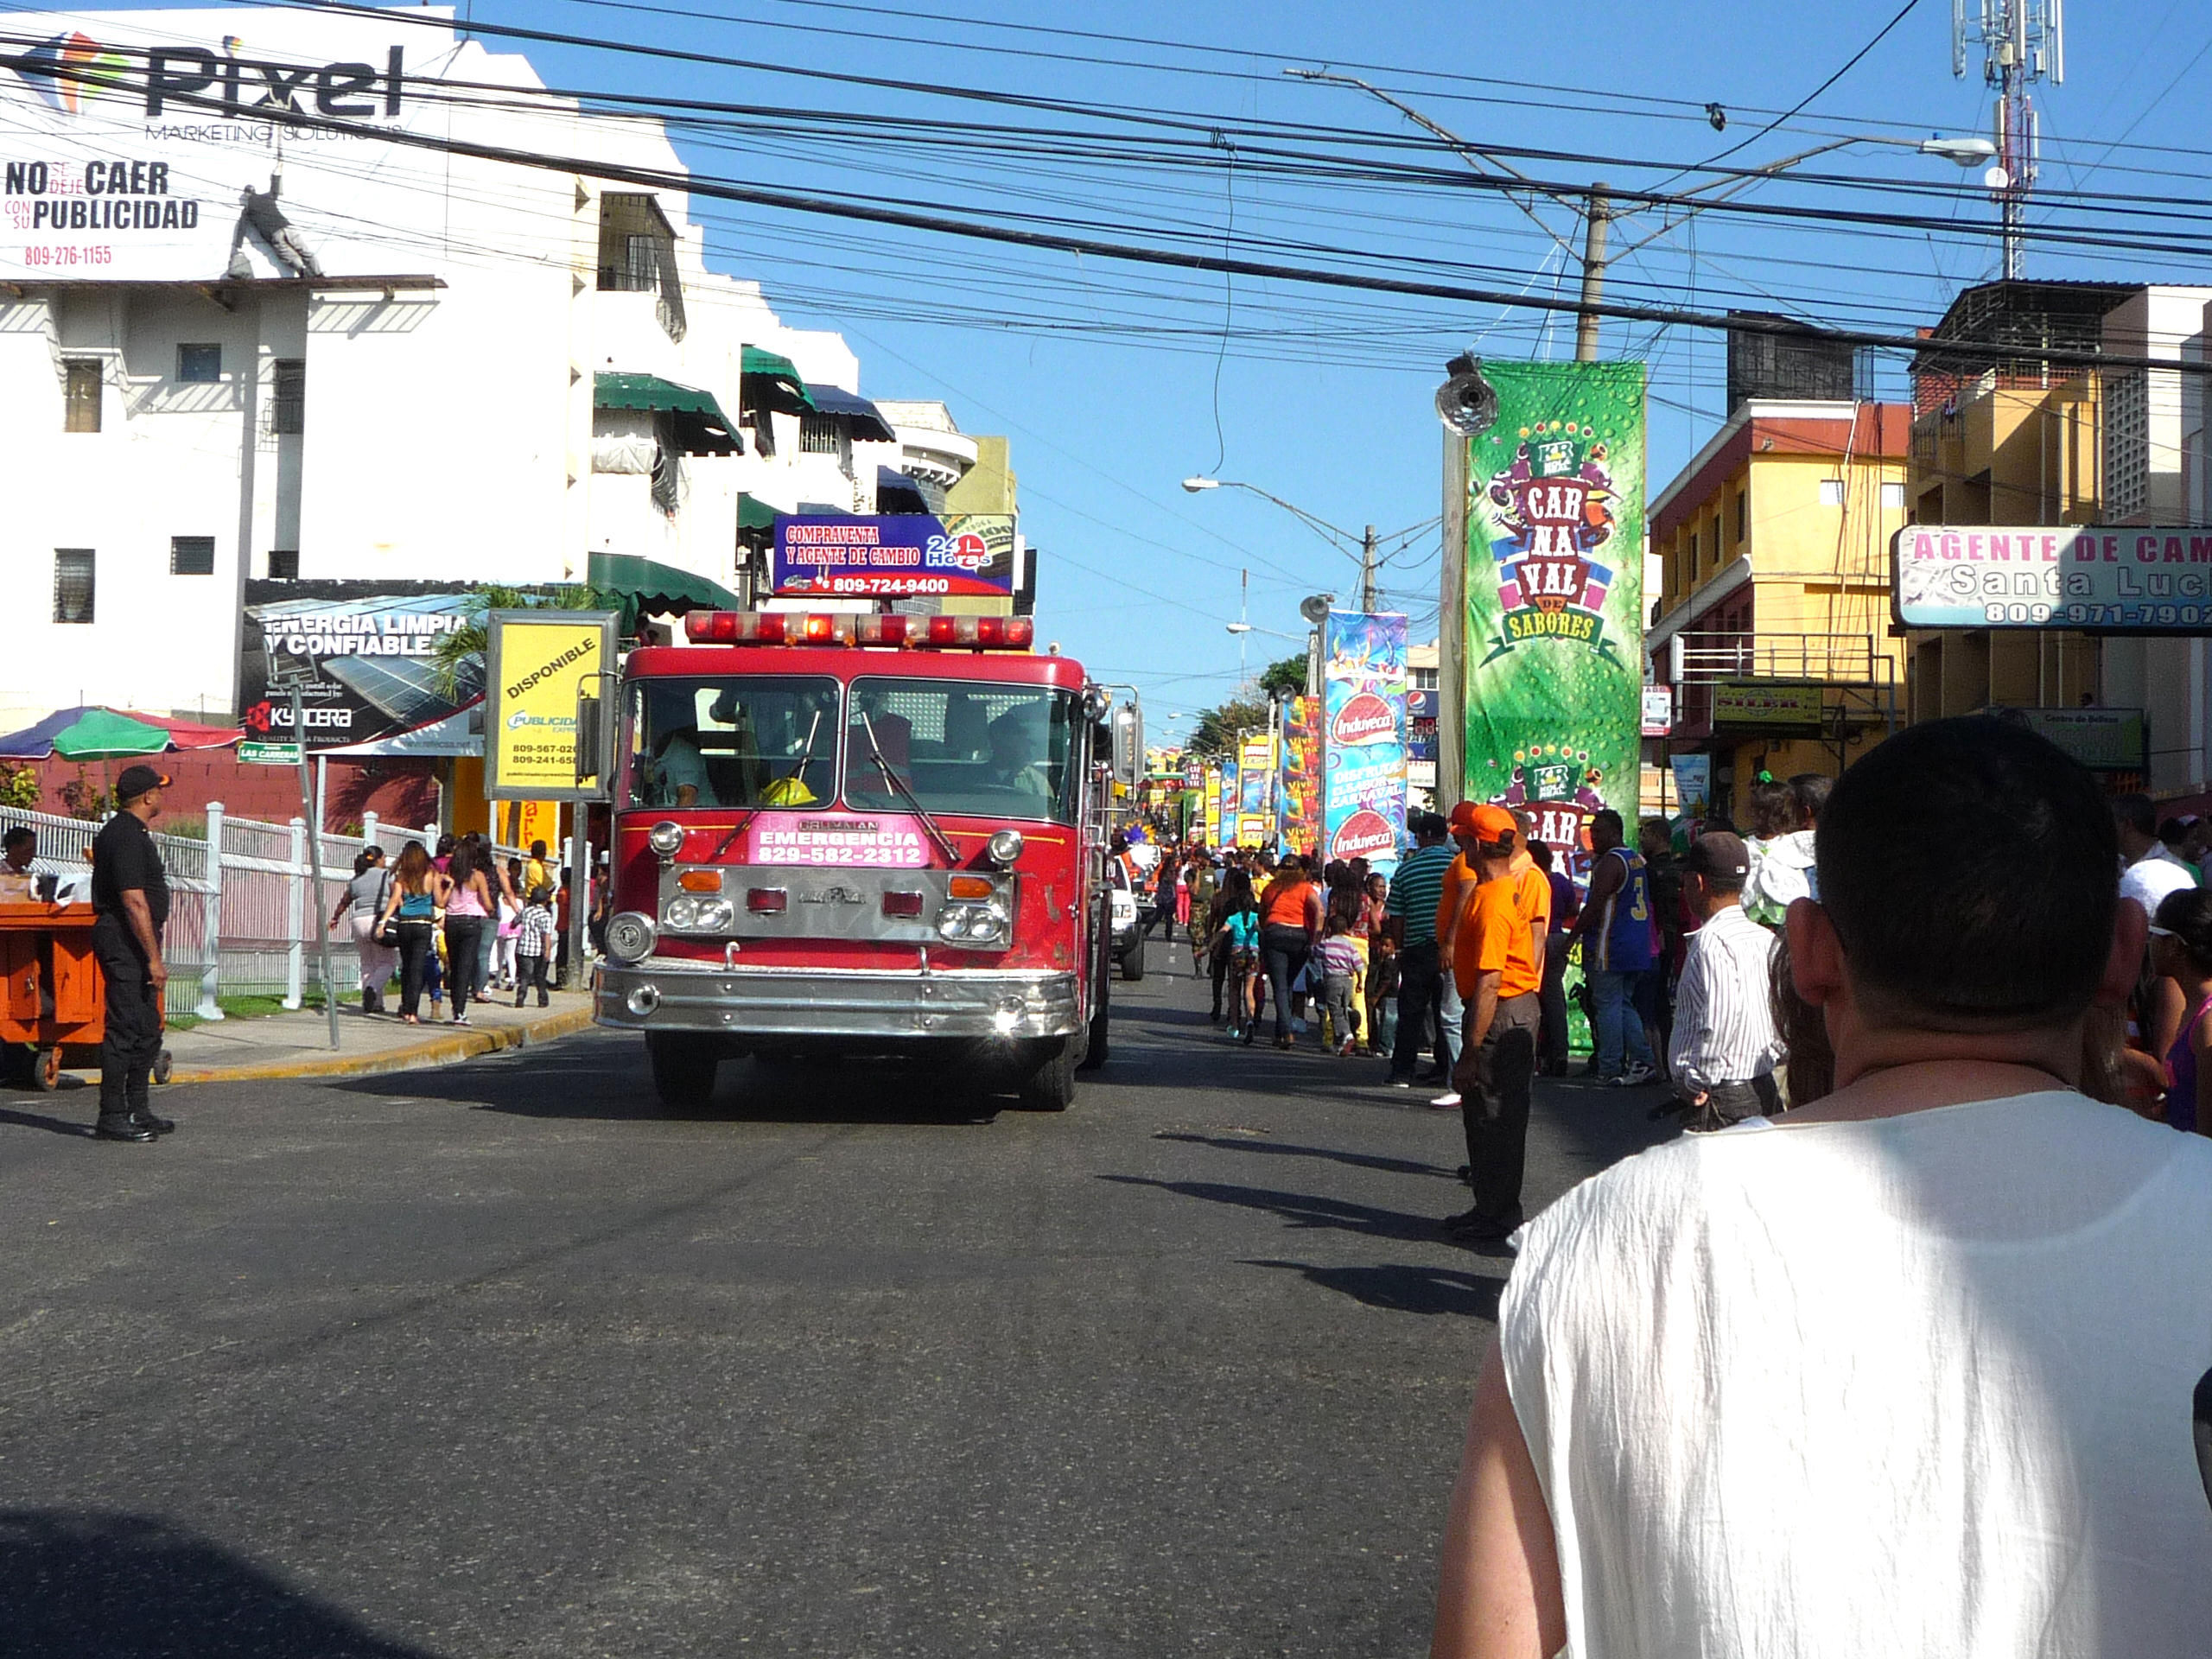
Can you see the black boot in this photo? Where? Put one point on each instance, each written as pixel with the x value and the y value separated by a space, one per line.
pixel 112 1127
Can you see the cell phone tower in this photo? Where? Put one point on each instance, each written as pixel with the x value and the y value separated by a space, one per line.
pixel 2022 41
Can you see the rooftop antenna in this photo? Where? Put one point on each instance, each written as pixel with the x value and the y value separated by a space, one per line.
pixel 2022 41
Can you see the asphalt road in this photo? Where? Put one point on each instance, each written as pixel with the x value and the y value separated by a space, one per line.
pixel 502 1359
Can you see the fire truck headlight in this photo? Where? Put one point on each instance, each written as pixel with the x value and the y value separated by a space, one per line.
pixel 715 915
pixel 665 838
pixel 1004 848
pixel 683 911
pixel 952 922
pixel 630 937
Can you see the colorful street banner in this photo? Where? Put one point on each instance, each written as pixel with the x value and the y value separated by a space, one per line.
pixel 1363 737
pixel 1210 784
pixel 1555 623
pixel 1227 799
pixel 1298 797
pixel 895 554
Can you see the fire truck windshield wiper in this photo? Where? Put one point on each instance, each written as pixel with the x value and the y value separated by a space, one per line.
pixel 900 787
pixel 798 771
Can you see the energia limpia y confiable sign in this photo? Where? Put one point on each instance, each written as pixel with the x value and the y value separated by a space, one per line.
pixel 2093 578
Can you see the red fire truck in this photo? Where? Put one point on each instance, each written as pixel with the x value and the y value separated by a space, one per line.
pixel 860 834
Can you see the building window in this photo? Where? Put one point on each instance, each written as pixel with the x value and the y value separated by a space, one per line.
pixel 1421 679
pixel 2128 447
pixel 72 584
pixel 1743 515
pixel 637 255
pixel 1697 570
pixel 192 555
pixel 821 435
pixel 82 400
pixel 288 403
pixel 284 564
pixel 1831 492
pixel 1893 497
pixel 200 364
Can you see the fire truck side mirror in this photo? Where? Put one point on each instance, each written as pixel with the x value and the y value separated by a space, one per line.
pixel 591 737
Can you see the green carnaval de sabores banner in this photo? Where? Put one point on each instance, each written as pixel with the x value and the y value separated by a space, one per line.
pixel 1555 593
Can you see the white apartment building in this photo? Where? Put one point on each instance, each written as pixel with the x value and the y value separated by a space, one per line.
pixel 234 349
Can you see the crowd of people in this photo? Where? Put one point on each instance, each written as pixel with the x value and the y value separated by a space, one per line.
pixel 457 924
pixel 1455 969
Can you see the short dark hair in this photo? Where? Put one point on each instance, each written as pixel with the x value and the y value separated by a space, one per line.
pixel 2137 812
pixel 1606 815
pixel 1971 870
pixel 1541 854
pixel 18 835
pixel 1769 809
pixel 2173 832
pixel 1808 793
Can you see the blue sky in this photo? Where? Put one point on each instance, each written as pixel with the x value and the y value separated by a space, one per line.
pixel 1114 383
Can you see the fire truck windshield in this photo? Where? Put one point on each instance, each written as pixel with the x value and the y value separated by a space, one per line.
pixel 750 740
pixel 985 751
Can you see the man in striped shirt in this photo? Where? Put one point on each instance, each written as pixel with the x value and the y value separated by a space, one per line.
pixel 1425 988
pixel 1724 1049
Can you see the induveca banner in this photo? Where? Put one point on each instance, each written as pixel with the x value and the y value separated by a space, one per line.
pixel 1363 737
pixel 1555 623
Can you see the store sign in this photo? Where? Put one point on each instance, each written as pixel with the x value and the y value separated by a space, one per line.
pixel 135 146
pixel 1658 710
pixel 543 665
pixel 1754 702
pixel 268 754
pixel 365 657
pixel 1363 737
pixel 2103 740
pixel 1554 626
pixel 894 555
pixel 2099 579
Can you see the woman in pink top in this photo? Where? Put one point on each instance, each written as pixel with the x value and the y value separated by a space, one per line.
pixel 468 898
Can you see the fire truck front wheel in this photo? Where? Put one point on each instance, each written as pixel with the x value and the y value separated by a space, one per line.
pixel 683 1066
pixel 1049 1086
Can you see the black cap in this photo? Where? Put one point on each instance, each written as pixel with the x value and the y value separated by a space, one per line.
pixel 1720 857
pixel 136 780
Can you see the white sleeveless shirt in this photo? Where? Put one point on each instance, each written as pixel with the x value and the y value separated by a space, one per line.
pixel 1913 1387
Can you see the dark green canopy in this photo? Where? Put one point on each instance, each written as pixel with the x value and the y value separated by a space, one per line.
pixel 771 381
pixel 702 428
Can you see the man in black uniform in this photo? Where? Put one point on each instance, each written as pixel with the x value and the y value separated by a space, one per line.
pixel 130 905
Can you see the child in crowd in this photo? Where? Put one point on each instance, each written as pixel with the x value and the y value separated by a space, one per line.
pixel 534 945
pixel 1338 961
pixel 1383 994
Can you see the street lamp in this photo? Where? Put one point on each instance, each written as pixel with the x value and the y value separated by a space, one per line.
pixel 1367 541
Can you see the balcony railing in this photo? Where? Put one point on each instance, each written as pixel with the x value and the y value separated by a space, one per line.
pixel 1827 659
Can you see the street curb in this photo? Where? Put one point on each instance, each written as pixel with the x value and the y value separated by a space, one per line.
pixel 438 1051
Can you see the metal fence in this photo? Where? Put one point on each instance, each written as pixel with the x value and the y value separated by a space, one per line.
pixel 244 921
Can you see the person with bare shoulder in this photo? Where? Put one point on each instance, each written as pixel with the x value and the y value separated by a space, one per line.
pixel 1910 1369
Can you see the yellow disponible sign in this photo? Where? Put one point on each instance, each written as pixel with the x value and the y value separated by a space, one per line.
pixel 1752 702
pixel 540 666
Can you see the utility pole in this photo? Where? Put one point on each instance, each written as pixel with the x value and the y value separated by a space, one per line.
pixel 1598 215
pixel 1367 600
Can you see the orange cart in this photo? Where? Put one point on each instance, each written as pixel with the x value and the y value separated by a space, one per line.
pixel 53 996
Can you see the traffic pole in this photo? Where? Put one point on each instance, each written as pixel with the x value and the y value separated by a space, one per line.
pixel 313 908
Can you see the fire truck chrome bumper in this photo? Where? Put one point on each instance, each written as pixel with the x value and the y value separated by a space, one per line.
pixel 665 996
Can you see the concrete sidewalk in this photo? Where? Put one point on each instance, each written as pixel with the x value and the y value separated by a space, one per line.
pixel 298 1044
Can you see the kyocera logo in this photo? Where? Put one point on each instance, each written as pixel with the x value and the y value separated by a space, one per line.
pixel 65 70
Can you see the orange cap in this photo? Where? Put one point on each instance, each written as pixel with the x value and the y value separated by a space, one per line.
pixel 1463 818
pixel 1494 824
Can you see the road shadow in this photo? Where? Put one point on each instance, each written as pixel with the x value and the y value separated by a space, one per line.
pixel 129 1586
pixel 1301 1210
pixel 609 1081
pixel 1284 1149
pixel 77 1129
pixel 1403 1287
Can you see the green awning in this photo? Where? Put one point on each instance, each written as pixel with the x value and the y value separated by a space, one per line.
pixel 647 586
pixel 702 428
pixel 774 382
pixel 753 514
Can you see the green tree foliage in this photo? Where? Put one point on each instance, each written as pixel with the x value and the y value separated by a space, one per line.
pixel 19 787
pixel 472 637
pixel 1285 679
pixel 1219 727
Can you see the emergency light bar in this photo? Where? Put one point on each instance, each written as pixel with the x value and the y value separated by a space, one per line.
pixel 822 628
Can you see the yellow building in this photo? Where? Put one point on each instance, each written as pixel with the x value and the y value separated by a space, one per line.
pixel 1772 618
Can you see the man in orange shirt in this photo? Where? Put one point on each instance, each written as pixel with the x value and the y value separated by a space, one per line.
pixel 1499 970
